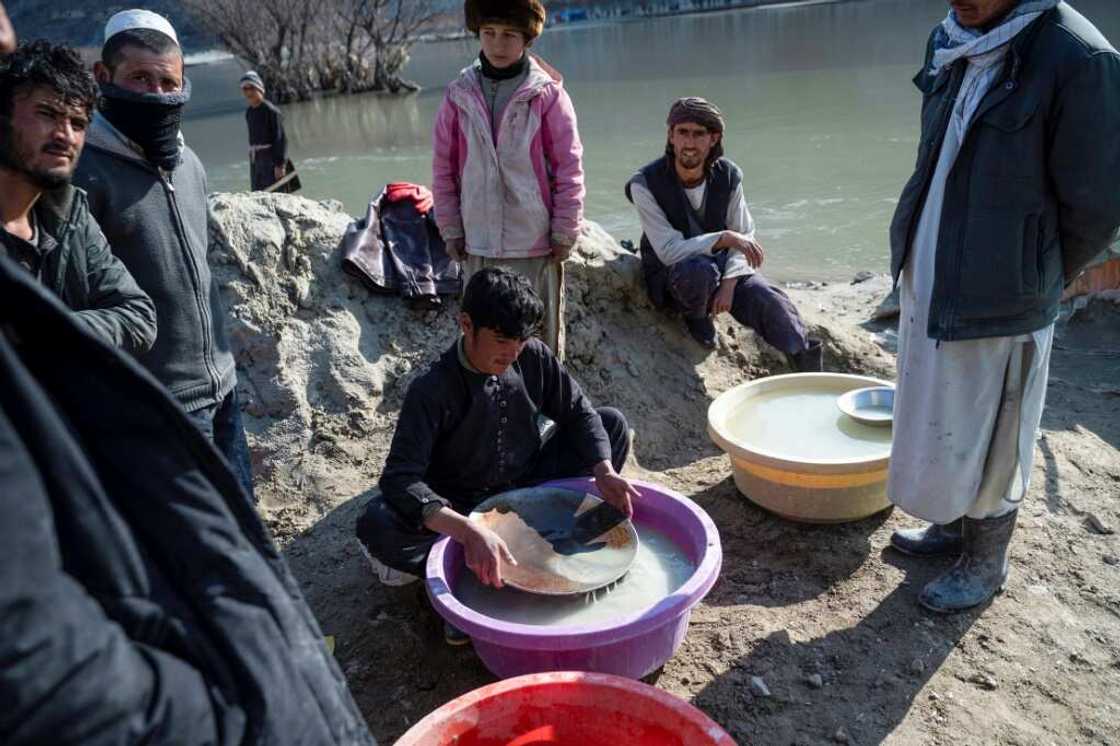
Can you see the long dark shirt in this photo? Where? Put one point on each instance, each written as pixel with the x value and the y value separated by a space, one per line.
pixel 463 435
pixel 266 127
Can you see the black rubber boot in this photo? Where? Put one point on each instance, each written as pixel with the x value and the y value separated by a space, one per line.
pixel 932 541
pixel 980 573
pixel 809 360
pixel 703 330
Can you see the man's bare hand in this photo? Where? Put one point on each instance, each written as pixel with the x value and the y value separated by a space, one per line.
pixel 615 489
pixel 456 249
pixel 485 552
pixel 721 303
pixel 746 246
pixel 7 33
pixel 278 172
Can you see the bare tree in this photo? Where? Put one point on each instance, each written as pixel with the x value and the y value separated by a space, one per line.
pixel 392 26
pixel 301 47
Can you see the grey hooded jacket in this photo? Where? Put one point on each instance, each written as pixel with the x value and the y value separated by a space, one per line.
pixel 80 268
pixel 1034 195
pixel 157 224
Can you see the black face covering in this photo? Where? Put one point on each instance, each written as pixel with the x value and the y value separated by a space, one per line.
pixel 151 120
pixel 503 73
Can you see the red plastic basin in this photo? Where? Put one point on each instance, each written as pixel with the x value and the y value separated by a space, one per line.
pixel 569 708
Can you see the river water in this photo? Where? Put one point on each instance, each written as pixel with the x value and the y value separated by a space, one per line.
pixel 822 117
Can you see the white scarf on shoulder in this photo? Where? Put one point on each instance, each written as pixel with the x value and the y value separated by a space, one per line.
pixel 984 51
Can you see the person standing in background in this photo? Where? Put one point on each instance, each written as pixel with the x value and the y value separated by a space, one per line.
pixel 268 145
pixel 507 162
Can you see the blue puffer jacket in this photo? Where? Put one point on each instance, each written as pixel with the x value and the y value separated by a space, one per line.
pixel 141 598
pixel 1034 194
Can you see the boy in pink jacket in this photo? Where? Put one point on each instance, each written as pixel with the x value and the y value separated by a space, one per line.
pixel 507 172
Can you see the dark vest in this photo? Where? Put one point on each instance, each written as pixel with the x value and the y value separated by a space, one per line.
pixel 661 180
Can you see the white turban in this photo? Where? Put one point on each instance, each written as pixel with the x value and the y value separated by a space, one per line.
pixel 132 20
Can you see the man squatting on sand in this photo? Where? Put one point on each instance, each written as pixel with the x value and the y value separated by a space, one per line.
pixel 471 427
pixel 1014 192
pixel 699 254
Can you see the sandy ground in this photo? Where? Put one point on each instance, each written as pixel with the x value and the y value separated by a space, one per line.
pixel 825 616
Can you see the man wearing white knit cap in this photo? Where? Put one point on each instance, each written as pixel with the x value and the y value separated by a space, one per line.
pixel 147 190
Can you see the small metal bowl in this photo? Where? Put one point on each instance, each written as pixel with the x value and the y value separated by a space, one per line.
pixel 870 406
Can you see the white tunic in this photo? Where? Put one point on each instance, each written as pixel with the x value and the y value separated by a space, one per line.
pixel 966 412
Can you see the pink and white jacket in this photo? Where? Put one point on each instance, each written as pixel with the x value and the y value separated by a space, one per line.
pixel 514 191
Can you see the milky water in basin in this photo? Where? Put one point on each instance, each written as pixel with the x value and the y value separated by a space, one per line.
pixel 660 568
pixel 804 426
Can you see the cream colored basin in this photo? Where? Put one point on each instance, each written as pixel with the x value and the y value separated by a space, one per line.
pixel 795 453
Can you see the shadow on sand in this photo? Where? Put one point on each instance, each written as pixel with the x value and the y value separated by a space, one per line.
pixel 772 562
pixel 867 702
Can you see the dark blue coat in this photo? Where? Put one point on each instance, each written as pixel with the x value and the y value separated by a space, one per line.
pixel 1034 194
pixel 141 598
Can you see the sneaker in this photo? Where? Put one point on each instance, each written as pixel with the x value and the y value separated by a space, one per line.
pixel 385 574
pixel 454 636
pixel 703 330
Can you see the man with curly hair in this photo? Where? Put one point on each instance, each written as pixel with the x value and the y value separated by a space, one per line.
pixel 46 98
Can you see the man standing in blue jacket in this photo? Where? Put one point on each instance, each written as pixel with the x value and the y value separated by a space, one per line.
pixel 147 190
pixel 1014 192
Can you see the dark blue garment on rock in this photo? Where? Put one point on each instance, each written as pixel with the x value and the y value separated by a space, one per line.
pixel 397 249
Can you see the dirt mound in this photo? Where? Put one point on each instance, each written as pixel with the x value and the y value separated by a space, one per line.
pixel 824 616
pixel 324 363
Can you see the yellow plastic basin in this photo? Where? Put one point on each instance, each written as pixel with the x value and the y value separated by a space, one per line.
pixel 794 452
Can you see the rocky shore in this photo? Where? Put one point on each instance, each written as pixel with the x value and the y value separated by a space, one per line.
pixel 823 617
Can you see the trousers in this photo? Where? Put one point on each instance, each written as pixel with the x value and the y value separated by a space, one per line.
pixel 757 303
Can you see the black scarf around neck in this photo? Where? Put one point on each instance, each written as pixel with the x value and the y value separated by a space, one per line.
pixel 503 73
pixel 151 120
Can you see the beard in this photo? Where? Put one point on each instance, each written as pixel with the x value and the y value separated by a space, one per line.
pixel 694 160
pixel 15 155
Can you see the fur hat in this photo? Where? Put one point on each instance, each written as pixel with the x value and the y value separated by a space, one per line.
pixel 526 15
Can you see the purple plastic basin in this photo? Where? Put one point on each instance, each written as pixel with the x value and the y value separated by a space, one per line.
pixel 634 645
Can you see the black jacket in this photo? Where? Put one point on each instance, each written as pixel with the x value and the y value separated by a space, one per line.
pixel 158 225
pixel 462 436
pixel 80 268
pixel 1034 195
pixel 141 598
pixel 396 248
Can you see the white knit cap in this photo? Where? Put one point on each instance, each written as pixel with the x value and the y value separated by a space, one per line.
pixel 131 20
